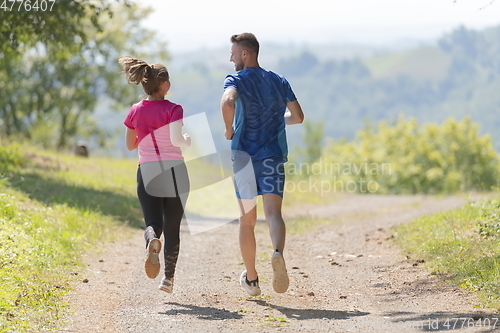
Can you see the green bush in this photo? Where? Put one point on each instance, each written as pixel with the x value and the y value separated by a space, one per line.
pixel 10 158
pixel 404 157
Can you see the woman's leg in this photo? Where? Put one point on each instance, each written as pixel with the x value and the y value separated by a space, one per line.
pixel 173 214
pixel 172 222
pixel 152 210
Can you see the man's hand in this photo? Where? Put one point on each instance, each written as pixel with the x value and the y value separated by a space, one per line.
pixel 229 133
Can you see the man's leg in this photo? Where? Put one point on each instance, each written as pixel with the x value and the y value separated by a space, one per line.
pixel 272 209
pixel 277 229
pixel 248 246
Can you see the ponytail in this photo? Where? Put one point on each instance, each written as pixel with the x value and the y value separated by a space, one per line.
pixel 138 71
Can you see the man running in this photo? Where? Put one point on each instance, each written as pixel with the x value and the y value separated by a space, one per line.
pixel 255 101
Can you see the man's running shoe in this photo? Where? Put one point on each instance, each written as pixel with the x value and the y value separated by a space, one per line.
pixel 251 287
pixel 152 263
pixel 280 276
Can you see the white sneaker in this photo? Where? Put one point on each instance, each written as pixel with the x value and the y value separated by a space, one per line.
pixel 152 263
pixel 251 287
pixel 167 285
pixel 280 276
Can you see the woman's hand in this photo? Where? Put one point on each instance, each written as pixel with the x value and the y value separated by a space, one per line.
pixel 187 140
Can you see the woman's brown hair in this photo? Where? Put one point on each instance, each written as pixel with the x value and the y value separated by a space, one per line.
pixel 138 71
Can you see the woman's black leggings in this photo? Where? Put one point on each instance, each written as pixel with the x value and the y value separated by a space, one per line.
pixel 162 201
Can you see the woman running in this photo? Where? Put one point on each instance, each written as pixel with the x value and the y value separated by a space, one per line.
pixel 154 126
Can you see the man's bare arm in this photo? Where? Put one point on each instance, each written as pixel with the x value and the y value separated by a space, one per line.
pixel 227 106
pixel 294 115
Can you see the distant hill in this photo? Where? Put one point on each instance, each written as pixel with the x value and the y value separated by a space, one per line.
pixel 427 62
pixel 272 53
pixel 343 86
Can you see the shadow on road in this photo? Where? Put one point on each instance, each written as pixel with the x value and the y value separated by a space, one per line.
pixel 202 312
pixel 306 314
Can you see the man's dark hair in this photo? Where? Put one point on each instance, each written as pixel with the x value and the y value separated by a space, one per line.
pixel 247 41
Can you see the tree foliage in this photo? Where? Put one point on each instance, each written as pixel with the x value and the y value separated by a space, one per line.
pixel 50 90
pixel 21 29
pixel 10 158
pixel 312 141
pixel 405 157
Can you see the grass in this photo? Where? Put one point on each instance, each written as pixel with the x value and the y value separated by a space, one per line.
pixel 461 245
pixel 53 207
pixel 39 251
pixel 103 185
pixel 259 297
pixel 297 198
pixel 274 318
pixel 273 321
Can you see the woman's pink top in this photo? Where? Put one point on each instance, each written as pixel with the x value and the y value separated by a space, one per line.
pixel 150 120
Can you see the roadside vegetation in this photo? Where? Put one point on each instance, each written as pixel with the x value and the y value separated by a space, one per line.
pixel 401 156
pixel 53 207
pixel 461 246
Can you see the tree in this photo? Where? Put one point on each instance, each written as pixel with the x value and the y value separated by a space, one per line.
pixel 313 140
pixel 405 157
pixel 52 91
pixel 298 66
pixel 60 24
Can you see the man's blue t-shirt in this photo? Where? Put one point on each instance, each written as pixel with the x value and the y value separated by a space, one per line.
pixel 259 124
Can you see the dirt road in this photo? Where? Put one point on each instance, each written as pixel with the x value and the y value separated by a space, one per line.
pixel 344 277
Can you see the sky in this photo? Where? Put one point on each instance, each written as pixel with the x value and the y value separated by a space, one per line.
pixel 189 25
